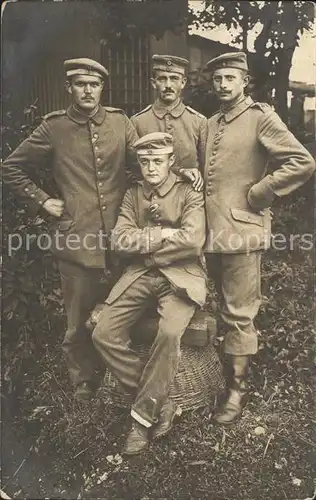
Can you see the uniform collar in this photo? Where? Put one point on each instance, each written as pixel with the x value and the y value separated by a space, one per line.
pixel 161 190
pixel 78 117
pixel 236 110
pixel 161 111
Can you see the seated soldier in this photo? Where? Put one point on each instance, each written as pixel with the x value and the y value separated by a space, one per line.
pixel 161 228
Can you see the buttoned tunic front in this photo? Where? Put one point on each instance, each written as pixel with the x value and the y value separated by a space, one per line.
pixel 92 160
pixel 187 126
pixel 238 194
pixel 137 234
pixel 238 191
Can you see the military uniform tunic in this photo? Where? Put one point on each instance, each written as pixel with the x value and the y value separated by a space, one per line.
pixel 187 126
pixel 89 158
pixel 238 194
pixel 240 144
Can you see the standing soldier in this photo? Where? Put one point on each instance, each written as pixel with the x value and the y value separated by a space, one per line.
pixel 242 137
pixel 169 114
pixel 87 147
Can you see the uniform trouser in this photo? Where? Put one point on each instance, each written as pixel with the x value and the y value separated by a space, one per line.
pixel 82 289
pixel 237 281
pixel 148 381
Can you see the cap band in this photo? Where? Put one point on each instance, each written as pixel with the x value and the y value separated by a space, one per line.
pixel 227 64
pixel 158 151
pixel 170 68
pixel 82 71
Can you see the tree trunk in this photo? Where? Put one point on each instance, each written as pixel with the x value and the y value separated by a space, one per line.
pixel 245 34
pixel 282 82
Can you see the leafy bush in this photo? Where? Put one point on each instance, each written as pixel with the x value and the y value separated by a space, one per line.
pixel 32 302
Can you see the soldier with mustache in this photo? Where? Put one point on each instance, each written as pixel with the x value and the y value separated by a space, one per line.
pixel 242 138
pixel 169 114
pixel 89 149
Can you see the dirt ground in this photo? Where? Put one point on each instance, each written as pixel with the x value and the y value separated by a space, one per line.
pixel 53 449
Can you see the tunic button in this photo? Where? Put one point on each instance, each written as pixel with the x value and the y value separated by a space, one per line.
pixel 209 182
pixel 26 190
pixel 99 172
pixel 103 207
pixel 100 184
pixel 214 152
pixel 208 193
pixel 92 125
pixel 101 195
pixel 96 148
pixel 212 162
pixel 98 160
pixel 95 135
pixel 32 195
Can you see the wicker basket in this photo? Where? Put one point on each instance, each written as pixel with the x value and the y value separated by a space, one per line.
pixel 198 379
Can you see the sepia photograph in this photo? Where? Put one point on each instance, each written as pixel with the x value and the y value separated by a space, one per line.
pixel 158 337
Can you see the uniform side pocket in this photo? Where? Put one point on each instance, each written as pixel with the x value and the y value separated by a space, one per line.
pixel 246 216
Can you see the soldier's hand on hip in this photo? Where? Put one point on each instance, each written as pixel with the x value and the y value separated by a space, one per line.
pixel 195 176
pixel 54 206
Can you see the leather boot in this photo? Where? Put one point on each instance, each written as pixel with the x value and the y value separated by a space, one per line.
pixel 237 386
pixel 169 411
pixel 137 440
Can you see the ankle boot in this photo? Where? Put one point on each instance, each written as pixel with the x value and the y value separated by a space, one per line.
pixel 237 387
pixel 137 440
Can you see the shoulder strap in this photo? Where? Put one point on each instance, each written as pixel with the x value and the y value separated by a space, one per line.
pixel 60 112
pixel 114 110
pixel 194 112
pixel 143 110
pixel 264 106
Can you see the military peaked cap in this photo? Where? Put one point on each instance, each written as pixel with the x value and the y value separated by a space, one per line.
pixel 229 60
pixel 173 64
pixel 154 143
pixel 84 66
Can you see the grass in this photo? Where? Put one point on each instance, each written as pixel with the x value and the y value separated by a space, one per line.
pixel 52 448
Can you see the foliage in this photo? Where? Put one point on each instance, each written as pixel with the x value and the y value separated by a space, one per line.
pixel 30 279
pixel 282 23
